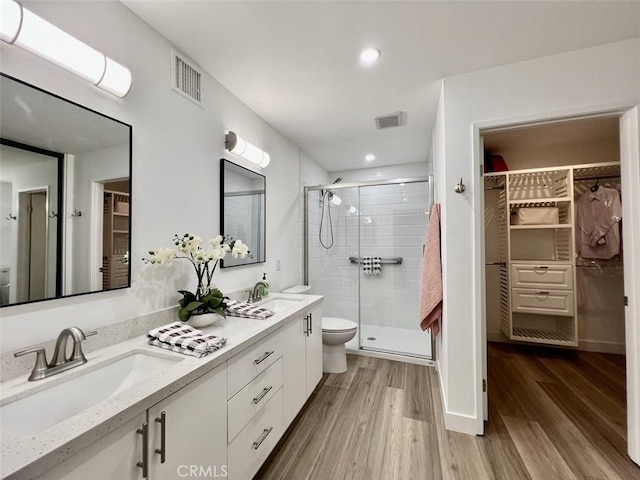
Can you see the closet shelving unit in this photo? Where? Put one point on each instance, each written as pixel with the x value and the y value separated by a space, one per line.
pixel 537 261
pixel 115 271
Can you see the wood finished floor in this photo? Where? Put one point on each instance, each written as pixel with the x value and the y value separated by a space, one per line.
pixel 553 415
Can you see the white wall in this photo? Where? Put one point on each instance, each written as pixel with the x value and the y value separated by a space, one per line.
pixel 176 150
pixel 592 79
pixel 406 170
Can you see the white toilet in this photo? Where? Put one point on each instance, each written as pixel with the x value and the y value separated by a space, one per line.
pixel 335 333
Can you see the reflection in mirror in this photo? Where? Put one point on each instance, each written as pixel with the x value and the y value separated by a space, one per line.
pixel 242 205
pixel 64 197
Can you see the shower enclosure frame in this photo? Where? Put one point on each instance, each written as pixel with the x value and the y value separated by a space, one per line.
pixel 373 183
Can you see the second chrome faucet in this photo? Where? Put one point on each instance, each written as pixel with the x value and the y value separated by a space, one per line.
pixel 60 362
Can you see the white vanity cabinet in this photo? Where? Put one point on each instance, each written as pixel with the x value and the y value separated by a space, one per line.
pixel 113 457
pixel 194 438
pixel 313 348
pixel 195 424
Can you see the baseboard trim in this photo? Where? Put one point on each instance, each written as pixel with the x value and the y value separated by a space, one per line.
pixel 455 422
pixel 584 345
pixel 602 347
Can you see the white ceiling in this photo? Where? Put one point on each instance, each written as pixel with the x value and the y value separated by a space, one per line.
pixel 295 63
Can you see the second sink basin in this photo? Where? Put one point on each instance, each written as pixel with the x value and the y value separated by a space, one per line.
pixel 74 394
pixel 277 304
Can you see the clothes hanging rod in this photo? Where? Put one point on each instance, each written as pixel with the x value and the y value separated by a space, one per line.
pixel 502 264
pixel 597 177
pixel 494 188
pixel 392 260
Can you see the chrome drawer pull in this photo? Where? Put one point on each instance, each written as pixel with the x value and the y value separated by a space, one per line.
pixel 541 267
pixel 542 292
pixel 262 438
pixel 262 394
pixel 264 357
pixel 162 451
pixel 144 464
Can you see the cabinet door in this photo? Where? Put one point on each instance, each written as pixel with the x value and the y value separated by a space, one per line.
pixel 195 422
pixel 294 368
pixel 314 350
pixel 113 457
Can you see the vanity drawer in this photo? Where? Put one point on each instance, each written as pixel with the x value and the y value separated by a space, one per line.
pixel 542 276
pixel 542 302
pixel 252 398
pixel 255 441
pixel 250 363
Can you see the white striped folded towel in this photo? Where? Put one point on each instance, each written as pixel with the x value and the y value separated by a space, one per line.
pixel 182 338
pixel 236 308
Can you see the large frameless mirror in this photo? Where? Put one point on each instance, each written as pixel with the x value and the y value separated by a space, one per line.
pixel 65 196
pixel 243 210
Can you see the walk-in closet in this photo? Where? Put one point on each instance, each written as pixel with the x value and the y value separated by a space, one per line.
pixel 554 281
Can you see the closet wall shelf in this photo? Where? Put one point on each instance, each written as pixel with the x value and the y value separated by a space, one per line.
pixel 537 227
pixel 538 202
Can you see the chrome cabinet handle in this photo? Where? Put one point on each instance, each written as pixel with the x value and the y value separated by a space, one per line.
pixel 262 438
pixel 310 324
pixel 264 357
pixel 162 451
pixel 305 327
pixel 262 394
pixel 542 292
pixel 144 464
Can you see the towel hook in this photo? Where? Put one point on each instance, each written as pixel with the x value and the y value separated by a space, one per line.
pixel 11 217
pixel 53 214
pixel 460 187
pixel 76 213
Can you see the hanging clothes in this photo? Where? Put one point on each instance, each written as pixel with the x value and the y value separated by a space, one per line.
pixel 598 223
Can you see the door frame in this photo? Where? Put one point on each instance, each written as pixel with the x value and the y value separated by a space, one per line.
pixel 629 116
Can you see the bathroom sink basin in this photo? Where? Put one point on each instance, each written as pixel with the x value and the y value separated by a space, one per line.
pixel 278 304
pixel 73 394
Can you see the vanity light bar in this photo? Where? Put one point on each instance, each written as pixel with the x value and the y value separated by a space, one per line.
pixel 19 26
pixel 239 146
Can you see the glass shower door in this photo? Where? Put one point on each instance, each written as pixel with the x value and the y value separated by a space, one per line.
pixel 391 233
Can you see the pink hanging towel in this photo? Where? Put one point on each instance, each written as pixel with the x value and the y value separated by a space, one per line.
pixel 431 290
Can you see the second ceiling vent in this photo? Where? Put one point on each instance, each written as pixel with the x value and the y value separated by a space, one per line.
pixel 396 119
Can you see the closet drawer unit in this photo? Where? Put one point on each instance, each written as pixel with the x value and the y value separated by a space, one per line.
pixel 542 302
pixel 542 276
pixel 255 441
pixel 252 398
pixel 250 363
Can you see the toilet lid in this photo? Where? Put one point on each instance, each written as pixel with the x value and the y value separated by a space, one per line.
pixel 333 324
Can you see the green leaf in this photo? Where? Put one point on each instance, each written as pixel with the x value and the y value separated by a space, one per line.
pixel 220 311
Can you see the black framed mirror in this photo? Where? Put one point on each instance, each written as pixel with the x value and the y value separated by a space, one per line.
pixel 65 197
pixel 243 211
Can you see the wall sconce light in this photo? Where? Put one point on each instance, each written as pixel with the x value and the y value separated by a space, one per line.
pixel 239 146
pixel 21 27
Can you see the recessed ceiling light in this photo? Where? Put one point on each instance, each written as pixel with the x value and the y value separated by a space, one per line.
pixel 369 56
pixel 370 157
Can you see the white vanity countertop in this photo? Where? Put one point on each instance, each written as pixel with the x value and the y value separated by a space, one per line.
pixel 27 457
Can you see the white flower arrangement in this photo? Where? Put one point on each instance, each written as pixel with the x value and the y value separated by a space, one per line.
pixel 207 298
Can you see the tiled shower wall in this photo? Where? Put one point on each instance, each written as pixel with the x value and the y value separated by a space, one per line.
pixel 390 222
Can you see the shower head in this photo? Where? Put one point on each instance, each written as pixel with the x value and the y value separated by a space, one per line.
pixel 337 180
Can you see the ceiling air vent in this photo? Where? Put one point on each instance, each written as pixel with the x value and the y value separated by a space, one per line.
pixel 390 120
pixel 186 78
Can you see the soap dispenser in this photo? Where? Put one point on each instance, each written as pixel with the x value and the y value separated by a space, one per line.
pixel 265 289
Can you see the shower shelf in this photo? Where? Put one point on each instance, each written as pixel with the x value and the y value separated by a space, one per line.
pixel 393 260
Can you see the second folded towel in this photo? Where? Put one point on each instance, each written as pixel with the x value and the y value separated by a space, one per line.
pixel 236 308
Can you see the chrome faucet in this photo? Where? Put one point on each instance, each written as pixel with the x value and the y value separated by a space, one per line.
pixel 59 362
pixel 254 295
